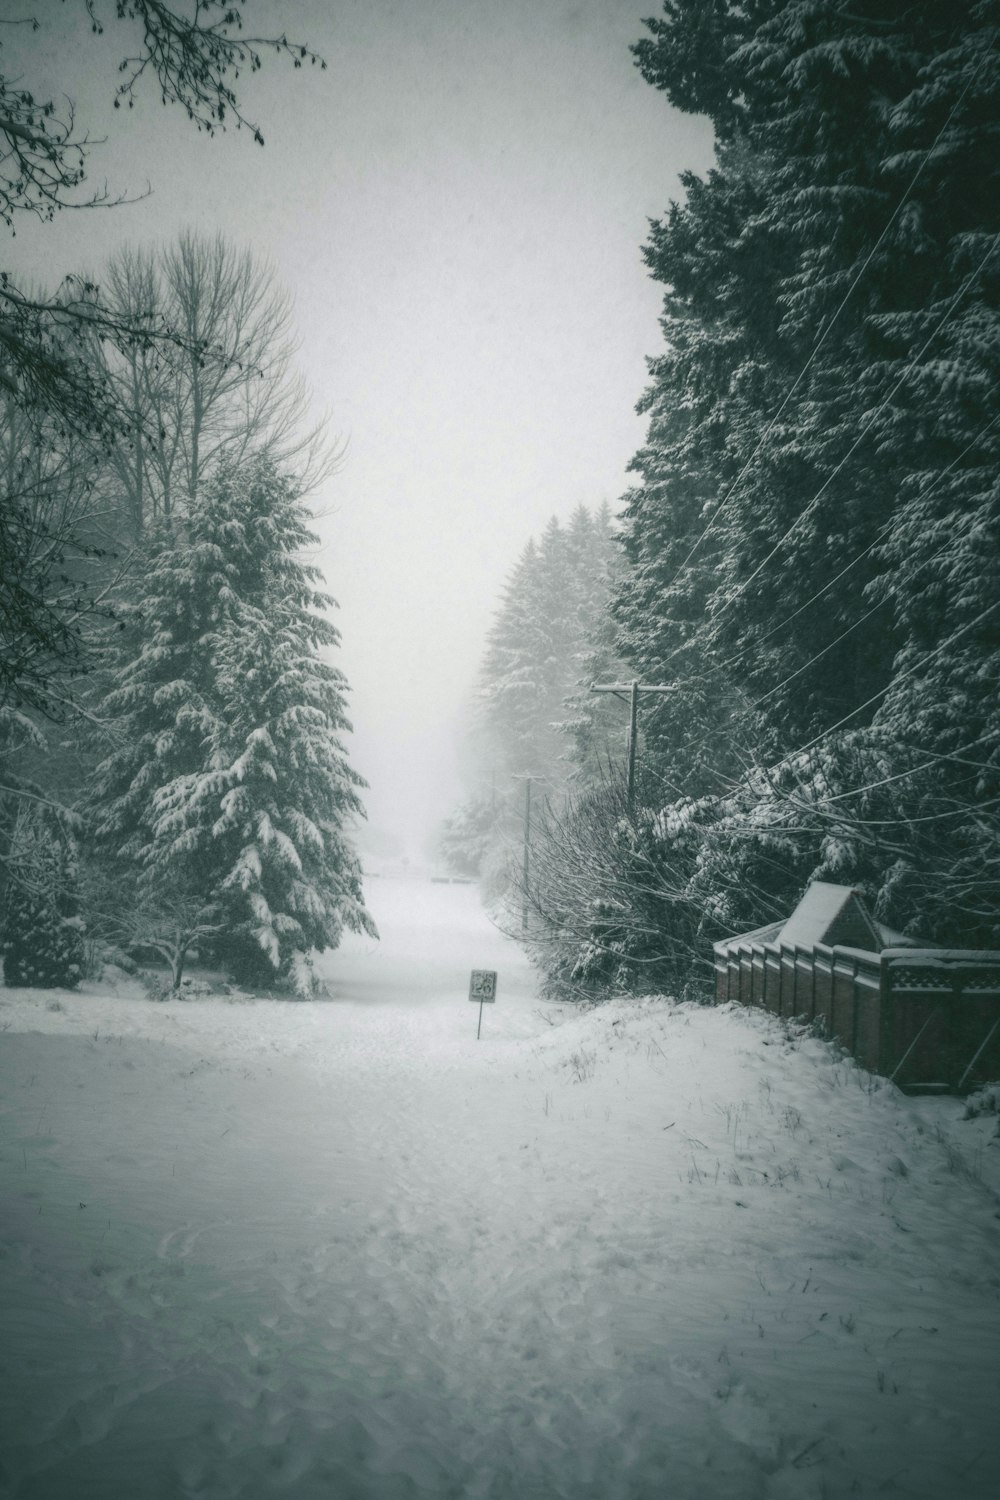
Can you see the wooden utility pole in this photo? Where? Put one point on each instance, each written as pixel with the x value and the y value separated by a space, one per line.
pixel 633 732
pixel 633 689
pixel 527 777
pixel 527 847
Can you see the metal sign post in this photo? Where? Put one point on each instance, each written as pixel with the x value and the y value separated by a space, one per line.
pixel 483 987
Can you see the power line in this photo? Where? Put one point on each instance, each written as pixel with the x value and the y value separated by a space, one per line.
pixel 742 587
pixel 866 430
pixel 791 755
pixel 900 677
pixel 854 822
pixel 945 318
pixel 818 654
pixel 892 589
pixel 882 535
pixel 823 336
pixel 802 514
pixel 873 786
pixel 757 702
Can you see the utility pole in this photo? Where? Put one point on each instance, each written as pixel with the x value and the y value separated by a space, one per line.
pixel 527 847
pixel 633 689
pixel 527 777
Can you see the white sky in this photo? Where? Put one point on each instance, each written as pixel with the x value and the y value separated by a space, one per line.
pixel 457 205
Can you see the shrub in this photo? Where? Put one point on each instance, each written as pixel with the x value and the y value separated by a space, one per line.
pixel 43 932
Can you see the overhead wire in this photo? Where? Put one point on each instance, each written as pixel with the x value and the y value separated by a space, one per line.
pixel 702 679
pixel 829 325
pixel 901 676
pixel 874 786
pixel 891 589
pixel 858 557
pixel 790 756
pixel 945 318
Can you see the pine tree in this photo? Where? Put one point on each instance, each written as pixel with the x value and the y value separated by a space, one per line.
pixel 813 541
pixel 230 786
pixel 823 118
pixel 594 722
pixel 512 704
pixel 42 938
pixel 466 836
pixel 534 715
pixel 541 644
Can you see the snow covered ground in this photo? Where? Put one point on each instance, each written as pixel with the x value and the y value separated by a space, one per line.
pixel 344 1250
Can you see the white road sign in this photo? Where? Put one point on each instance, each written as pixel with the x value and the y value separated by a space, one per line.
pixel 483 986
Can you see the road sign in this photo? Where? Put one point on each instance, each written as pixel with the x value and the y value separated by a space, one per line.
pixel 483 986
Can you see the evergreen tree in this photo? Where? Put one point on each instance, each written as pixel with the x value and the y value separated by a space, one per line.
pixel 230 786
pixel 594 722
pixel 513 706
pixel 540 645
pixel 466 835
pixel 812 544
pixel 42 938
pixel 824 118
pixel 535 716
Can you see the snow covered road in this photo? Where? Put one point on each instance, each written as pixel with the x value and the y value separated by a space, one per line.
pixel 343 1250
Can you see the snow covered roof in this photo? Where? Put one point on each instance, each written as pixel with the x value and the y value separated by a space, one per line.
pixel 834 915
pixel 831 914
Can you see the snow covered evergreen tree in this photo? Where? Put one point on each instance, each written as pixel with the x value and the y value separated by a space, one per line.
pixel 836 258
pixel 812 537
pixel 230 786
pixel 512 708
pixel 812 542
pixel 541 643
pixel 42 934
pixel 533 710
pixel 466 834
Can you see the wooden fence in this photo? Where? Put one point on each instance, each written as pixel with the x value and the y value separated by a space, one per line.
pixel 927 1018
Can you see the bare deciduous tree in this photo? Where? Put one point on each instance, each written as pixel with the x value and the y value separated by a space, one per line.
pixel 225 388
pixel 55 573
pixel 48 368
pixel 43 154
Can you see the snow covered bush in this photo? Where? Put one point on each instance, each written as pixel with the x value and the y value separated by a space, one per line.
pixel 43 933
pixel 230 789
pixel 607 899
pixel 626 900
pixel 916 832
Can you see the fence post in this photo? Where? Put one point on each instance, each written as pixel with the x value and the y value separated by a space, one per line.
pixel 854 1007
pixel 978 1053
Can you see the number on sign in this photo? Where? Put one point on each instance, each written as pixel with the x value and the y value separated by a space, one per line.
pixel 483 986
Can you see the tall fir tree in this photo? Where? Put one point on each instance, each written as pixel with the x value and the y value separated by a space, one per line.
pixel 230 786
pixel 540 645
pixel 812 541
pixel 533 715
pixel 41 931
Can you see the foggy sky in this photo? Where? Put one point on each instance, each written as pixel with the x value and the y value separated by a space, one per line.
pixel 457 206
